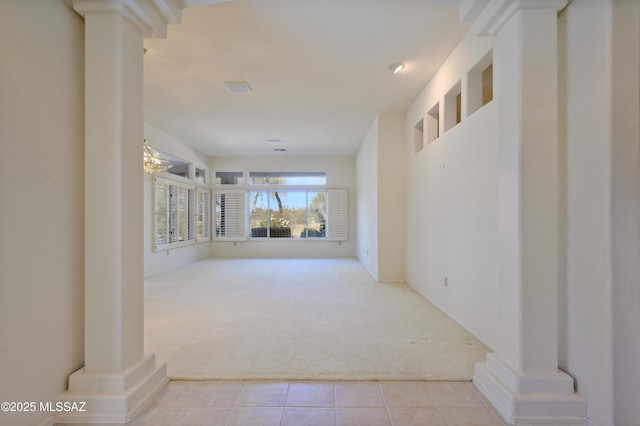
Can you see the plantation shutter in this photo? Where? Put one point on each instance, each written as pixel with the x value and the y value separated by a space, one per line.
pixel 172 213
pixel 338 215
pixel 203 214
pixel 231 215
pixel 184 207
pixel 161 214
pixel 174 205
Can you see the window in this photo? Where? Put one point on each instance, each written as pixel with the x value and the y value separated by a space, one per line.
pixel 316 215
pixel 201 175
pixel 291 214
pixel 283 205
pixel 182 214
pixel 174 204
pixel 179 167
pixel 287 178
pixel 229 178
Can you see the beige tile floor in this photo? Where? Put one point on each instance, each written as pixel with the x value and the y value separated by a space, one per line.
pixel 214 403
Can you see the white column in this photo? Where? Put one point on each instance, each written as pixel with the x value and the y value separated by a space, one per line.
pixel 522 379
pixel 117 378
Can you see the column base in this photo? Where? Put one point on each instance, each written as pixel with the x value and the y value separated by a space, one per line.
pixel 112 398
pixel 530 399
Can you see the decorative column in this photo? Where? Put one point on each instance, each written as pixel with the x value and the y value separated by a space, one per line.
pixel 522 379
pixel 117 379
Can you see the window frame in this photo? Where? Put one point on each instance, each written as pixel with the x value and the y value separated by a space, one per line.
pixel 238 173
pixel 270 189
pixel 284 175
pixel 175 221
pixel 200 217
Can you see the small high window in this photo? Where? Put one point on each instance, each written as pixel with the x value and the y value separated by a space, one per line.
pixel 287 178
pixel 229 178
pixel 179 166
pixel 201 175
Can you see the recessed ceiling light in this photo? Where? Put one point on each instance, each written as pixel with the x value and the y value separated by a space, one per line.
pixel 396 68
pixel 274 141
pixel 238 86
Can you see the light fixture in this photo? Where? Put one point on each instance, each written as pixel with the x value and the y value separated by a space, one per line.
pixel 153 162
pixel 396 68
pixel 238 86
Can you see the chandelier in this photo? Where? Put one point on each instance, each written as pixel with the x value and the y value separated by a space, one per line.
pixel 153 162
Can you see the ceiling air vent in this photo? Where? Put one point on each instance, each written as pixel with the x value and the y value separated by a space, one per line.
pixel 238 86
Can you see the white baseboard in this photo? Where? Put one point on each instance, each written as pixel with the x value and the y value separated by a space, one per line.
pixel 111 398
pixel 530 400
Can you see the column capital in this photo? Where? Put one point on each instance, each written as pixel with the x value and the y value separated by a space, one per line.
pixel 149 16
pixel 489 16
pixel 518 5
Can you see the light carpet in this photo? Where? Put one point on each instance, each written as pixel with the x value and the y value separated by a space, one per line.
pixel 299 319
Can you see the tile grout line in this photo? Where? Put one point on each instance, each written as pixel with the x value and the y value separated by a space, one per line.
pixel 335 402
pixel 235 404
pixel 284 404
pixel 183 410
pixel 198 387
pixel 436 405
pixel 386 406
pixel 486 402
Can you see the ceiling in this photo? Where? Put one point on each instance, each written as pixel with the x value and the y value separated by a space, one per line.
pixel 318 70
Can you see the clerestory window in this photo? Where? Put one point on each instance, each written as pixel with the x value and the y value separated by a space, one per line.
pixel 287 178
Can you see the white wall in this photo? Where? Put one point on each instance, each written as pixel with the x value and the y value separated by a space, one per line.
pixel 392 191
pixel 367 200
pixel 155 262
pixel 452 202
pixel 600 342
pixel 42 212
pixel 588 84
pixel 626 210
pixel 381 198
pixel 340 175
